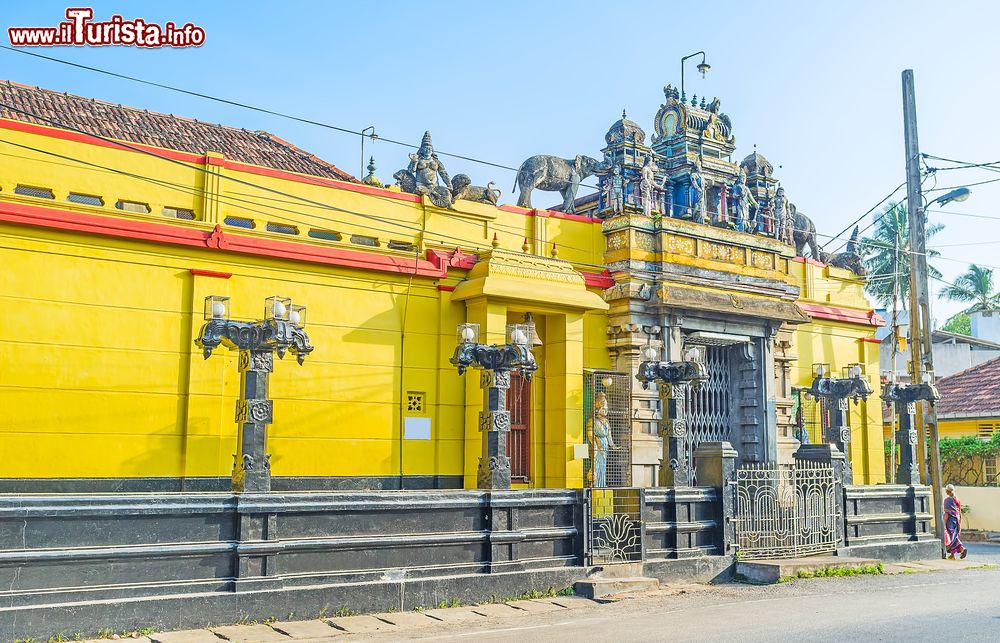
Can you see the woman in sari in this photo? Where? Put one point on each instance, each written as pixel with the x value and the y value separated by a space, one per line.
pixel 953 525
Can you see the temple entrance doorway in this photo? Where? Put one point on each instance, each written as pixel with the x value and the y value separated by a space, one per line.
pixel 519 438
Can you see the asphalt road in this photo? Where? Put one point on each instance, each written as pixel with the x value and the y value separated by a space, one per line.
pixel 960 605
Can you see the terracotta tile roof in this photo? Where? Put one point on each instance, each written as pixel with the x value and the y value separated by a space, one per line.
pixel 161 130
pixel 974 392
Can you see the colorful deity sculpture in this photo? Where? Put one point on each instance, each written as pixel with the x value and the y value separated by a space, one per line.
pixel 744 201
pixel 599 431
pixel 697 199
pixel 646 185
pixel 615 188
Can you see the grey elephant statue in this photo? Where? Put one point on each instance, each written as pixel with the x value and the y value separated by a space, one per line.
pixel 852 258
pixel 804 234
pixel 462 188
pixel 554 174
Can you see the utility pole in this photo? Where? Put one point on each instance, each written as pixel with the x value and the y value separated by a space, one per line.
pixel 921 357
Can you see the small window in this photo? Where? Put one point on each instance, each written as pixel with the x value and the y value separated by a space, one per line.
pixel 327 235
pixel 239 222
pixel 28 190
pixel 362 240
pixel 282 228
pixel 402 245
pixel 179 213
pixel 132 206
pixel 84 199
pixel 414 402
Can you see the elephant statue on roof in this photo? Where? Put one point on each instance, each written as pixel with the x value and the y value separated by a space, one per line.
pixel 554 174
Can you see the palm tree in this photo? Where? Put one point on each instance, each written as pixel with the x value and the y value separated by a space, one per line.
pixel 887 254
pixel 975 286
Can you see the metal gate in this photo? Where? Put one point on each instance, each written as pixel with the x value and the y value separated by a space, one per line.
pixel 787 511
pixel 609 457
pixel 709 406
pixel 614 525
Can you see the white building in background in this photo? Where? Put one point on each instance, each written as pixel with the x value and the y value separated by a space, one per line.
pixel 953 353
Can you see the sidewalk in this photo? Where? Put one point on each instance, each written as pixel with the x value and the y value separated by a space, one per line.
pixel 492 614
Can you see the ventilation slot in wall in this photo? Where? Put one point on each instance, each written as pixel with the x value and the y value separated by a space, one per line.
pixel 327 235
pixel 28 190
pixel 179 213
pixel 362 240
pixel 239 222
pixel 282 228
pixel 84 199
pixel 402 245
pixel 132 206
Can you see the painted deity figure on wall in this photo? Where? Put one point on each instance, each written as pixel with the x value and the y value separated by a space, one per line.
pixel 783 217
pixel 744 201
pixel 646 185
pixel 615 188
pixel 697 199
pixel 599 432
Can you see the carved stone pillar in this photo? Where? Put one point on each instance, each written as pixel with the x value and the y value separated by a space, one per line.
pixel 674 469
pixel 494 423
pixel 906 437
pixel 251 466
pixel 839 434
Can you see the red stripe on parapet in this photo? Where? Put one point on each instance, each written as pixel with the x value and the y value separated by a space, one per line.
pixel 538 212
pixel 815 262
pixel 446 288
pixel 847 315
pixel 217 239
pixel 869 340
pixel 211 273
pixel 598 279
pixel 455 258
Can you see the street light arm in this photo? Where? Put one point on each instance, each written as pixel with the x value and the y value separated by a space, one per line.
pixel 505 357
pixel 279 335
pixel 672 373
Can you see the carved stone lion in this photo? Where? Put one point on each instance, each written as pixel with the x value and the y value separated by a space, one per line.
pixel 462 188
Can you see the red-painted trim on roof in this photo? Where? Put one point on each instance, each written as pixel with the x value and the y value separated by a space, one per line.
pixel 869 340
pixel 210 273
pixel 598 279
pixel 538 212
pixel 216 239
pixel 815 262
pixel 455 259
pixel 850 316
pixel 446 288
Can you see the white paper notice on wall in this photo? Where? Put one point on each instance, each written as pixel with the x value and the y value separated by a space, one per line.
pixel 415 428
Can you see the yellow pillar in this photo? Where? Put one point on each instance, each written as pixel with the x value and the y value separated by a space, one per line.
pixel 492 319
pixel 564 399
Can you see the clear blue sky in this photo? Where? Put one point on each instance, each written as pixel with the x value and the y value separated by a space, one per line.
pixel 815 85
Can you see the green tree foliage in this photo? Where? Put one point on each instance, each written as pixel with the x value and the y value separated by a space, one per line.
pixel 974 286
pixel 885 264
pixel 969 446
pixel 960 324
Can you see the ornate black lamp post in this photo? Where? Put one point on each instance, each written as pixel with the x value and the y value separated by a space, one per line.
pixel 905 397
pixel 673 379
pixel 281 330
pixel 494 420
pixel 837 391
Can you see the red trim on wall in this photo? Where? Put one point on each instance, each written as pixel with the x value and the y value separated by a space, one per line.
pixel 210 273
pixel 869 340
pixel 446 288
pixel 455 259
pixel 815 262
pixel 598 279
pixel 216 239
pixel 847 315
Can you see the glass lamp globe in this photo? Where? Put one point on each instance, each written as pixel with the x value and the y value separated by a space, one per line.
pixel 649 353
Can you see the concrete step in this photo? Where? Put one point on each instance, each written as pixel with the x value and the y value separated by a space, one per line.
pixel 771 571
pixel 596 587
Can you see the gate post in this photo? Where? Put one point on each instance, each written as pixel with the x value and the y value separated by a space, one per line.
pixel 830 455
pixel 715 466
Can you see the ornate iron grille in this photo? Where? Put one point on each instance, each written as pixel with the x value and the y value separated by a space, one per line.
pixel 786 511
pixel 616 387
pixel 614 525
pixel 519 438
pixel 709 407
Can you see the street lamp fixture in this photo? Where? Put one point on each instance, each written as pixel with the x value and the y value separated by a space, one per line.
pixel 281 330
pixel 837 391
pixel 496 362
pixel 702 67
pixel 673 379
pixel 957 195
pixel 905 397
